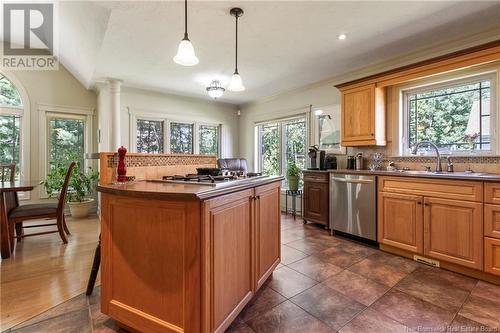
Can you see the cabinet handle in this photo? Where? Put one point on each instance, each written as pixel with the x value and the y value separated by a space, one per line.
pixel 257 197
pixel 426 204
pixel 419 202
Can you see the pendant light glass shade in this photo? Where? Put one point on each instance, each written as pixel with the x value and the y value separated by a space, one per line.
pixel 236 83
pixel 185 54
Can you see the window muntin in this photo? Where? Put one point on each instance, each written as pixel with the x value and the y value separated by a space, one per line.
pixel 208 139
pixel 150 136
pixel 457 116
pixel 181 138
pixel 9 96
pixel 281 143
pixel 10 141
pixel 66 140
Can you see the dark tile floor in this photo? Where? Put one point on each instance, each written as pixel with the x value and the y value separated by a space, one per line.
pixel 329 284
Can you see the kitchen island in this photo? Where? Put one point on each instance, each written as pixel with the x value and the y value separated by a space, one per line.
pixel 186 257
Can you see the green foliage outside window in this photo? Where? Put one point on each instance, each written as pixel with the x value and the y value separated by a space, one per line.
pixel 150 136
pixel 449 117
pixel 209 139
pixel 66 141
pixel 9 96
pixel 10 140
pixel 181 138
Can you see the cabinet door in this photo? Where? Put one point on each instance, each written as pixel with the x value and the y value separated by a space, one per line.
pixel 492 220
pixel 267 231
pixel 316 202
pixel 492 255
pixel 231 255
pixel 453 231
pixel 400 221
pixel 358 114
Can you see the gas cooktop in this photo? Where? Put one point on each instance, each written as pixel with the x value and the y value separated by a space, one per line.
pixel 208 180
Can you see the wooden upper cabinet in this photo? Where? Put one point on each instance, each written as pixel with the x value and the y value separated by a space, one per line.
pixel 267 231
pixel 400 221
pixel 363 116
pixel 453 231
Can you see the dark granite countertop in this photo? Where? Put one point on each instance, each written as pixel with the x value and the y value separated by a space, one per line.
pixel 175 191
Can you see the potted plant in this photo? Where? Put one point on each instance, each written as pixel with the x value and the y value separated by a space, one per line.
pixel 82 186
pixel 293 175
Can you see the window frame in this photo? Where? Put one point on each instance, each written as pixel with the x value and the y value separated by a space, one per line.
pixel 447 82
pixel 46 112
pixel 282 140
pixel 24 113
pixel 167 121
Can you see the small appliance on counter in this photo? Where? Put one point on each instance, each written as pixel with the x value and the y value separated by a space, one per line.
pixel 351 162
pixel 316 158
pixel 330 162
pixel 359 161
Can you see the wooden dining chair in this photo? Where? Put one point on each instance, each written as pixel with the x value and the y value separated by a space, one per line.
pixel 43 211
pixel 8 174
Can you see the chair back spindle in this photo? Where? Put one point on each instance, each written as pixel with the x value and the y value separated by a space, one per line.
pixel 7 172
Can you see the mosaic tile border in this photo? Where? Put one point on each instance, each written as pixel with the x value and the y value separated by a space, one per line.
pixel 161 160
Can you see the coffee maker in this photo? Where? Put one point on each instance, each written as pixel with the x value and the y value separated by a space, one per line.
pixel 316 158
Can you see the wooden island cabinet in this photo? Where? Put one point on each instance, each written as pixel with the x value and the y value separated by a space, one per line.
pixel 184 258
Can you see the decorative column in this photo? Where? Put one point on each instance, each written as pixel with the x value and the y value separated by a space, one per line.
pixel 114 87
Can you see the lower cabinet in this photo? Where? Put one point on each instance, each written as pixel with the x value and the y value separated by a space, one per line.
pixel 232 279
pixel 439 228
pixel 267 231
pixel 453 231
pixel 316 197
pixel 401 223
pixel 244 229
pixel 492 255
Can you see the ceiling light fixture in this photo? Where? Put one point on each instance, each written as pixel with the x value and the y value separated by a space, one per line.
pixel 185 53
pixel 236 83
pixel 215 89
pixel 341 36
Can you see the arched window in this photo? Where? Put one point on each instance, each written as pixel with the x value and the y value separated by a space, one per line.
pixel 14 126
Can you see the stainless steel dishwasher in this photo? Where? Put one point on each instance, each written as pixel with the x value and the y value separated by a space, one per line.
pixel 353 205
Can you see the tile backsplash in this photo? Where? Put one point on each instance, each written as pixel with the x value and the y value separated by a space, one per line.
pixel 476 163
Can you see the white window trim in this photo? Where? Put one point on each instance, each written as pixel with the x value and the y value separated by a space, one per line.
pixel 450 79
pixel 258 143
pixel 24 113
pixel 45 113
pixel 135 115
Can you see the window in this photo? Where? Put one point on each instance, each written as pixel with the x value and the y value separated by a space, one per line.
pixel 66 136
pixel 281 143
pixel 181 138
pixel 209 139
pixel 150 136
pixel 13 129
pixel 457 116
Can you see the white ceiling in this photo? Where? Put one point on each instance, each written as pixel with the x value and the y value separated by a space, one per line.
pixel 283 45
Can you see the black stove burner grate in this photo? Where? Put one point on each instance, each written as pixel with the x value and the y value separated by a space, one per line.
pixel 199 178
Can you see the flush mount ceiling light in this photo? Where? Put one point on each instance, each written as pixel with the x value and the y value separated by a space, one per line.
pixel 341 36
pixel 236 83
pixel 185 53
pixel 215 89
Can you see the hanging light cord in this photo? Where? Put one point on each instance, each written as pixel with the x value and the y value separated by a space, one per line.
pixel 186 20
pixel 236 66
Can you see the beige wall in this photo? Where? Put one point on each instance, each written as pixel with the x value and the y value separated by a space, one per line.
pixel 181 108
pixel 57 88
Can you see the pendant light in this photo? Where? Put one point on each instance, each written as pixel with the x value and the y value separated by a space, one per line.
pixel 236 83
pixel 185 53
pixel 215 89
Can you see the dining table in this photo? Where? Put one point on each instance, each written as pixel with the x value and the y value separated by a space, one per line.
pixel 8 201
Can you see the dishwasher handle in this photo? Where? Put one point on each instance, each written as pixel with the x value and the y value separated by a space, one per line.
pixel 354 181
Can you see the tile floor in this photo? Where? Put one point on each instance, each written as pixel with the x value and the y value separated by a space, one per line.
pixel 329 284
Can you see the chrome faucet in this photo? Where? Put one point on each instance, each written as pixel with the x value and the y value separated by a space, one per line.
pixel 438 156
